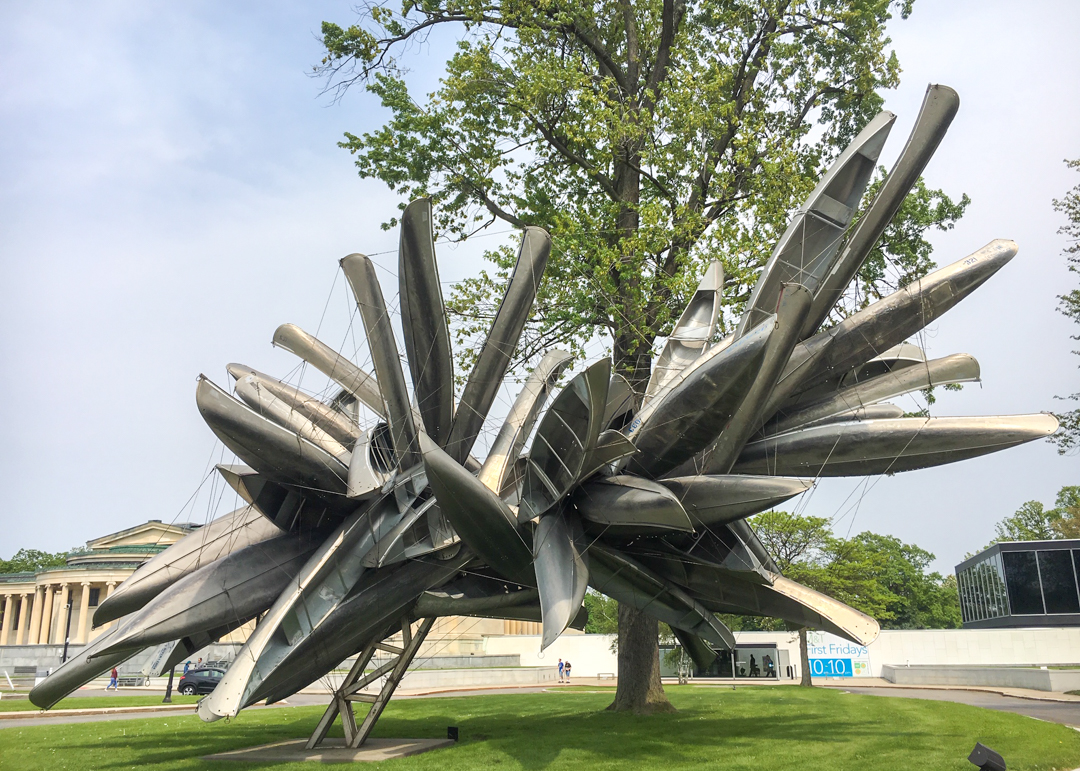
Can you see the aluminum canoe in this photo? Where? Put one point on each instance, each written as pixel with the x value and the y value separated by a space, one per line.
pixel 863 448
pixel 252 393
pixel 565 440
pixel 483 521
pixel 335 422
pixel 890 321
pixel 519 422
pixel 494 358
pixel 794 303
pixel 805 252
pixel 938 109
pixel 718 500
pixel 423 321
pixel 561 565
pixel 323 583
pixel 360 273
pixel 275 452
pixel 335 366
pixel 692 333
pixel 235 588
pixel 226 534
pixel 958 368
pixel 699 402
pixel 626 505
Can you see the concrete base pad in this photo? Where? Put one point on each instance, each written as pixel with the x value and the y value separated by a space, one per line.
pixel 333 751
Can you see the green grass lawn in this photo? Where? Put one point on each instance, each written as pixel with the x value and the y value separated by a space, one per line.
pixel 96 702
pixel 749 729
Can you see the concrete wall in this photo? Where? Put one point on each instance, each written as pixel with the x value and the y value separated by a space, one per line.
pixel 420 679
pixel 480 661
pixel 47 657
pixel 590 654
pixel 993 647
pixel 1003 677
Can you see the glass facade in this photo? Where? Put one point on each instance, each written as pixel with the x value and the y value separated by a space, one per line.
pixel 982 589
pixel 1020 579
pixel 1058 582
pixel 755 662
pixel 745 661
pixel 1025 594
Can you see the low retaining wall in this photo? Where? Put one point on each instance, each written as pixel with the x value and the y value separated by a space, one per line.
pixel 457 662
pixel 1003 677
pixel 47 657
pixel 419 679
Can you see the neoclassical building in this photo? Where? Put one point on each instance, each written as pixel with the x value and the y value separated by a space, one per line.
pixel 34 607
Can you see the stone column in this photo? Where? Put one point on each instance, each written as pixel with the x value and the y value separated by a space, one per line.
pixel 110 585
pixel 62 613
pixel 24 619
pixel 45 633
pixel 84 613
pixel 9 610
pixel 35 618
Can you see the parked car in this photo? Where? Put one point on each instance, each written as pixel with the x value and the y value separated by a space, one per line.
pixel 200 681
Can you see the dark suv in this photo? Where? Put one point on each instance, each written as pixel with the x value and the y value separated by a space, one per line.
pixel 200 681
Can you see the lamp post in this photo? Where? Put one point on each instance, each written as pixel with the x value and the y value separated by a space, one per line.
pixel 168 688
pixel 67 631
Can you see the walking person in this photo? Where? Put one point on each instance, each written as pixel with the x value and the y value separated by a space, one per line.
pixel 187 666
pixel 561 669
pixel 113 678
pixel 566 669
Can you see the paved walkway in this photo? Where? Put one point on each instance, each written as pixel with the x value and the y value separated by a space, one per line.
pixel 1054 711
pixel 1019 693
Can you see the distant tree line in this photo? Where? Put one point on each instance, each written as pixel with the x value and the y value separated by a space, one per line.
pixel 29 560
pixel 1035 522
pixel 1068 438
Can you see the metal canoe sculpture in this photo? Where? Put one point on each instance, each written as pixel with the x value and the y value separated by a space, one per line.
pixel 352 532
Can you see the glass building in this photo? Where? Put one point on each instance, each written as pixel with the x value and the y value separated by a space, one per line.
pixel 1021 583
pixel 761 659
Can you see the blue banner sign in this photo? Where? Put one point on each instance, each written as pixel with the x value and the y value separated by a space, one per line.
pixel 831 668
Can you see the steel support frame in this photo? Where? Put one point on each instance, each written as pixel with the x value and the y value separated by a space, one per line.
pixel 351 688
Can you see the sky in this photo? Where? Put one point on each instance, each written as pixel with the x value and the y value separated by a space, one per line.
pixel 171 191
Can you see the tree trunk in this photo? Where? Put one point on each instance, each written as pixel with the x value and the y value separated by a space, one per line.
pixel 804 659
pixel 639 689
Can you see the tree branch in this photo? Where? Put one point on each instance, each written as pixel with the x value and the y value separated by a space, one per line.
pixel 471 188
pixel 562 147
pixel 673 13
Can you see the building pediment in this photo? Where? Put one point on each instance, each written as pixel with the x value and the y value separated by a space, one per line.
pixel 147 534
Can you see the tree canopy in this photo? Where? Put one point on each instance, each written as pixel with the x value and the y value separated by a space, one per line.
pixel 1068 438
pixel 877 574
pixel 648 137
pixel 29 560
pixel 1035 522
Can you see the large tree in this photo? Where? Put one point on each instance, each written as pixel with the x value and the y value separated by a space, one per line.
pixel 921 598
pixel 1068 438
pixel 648 136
